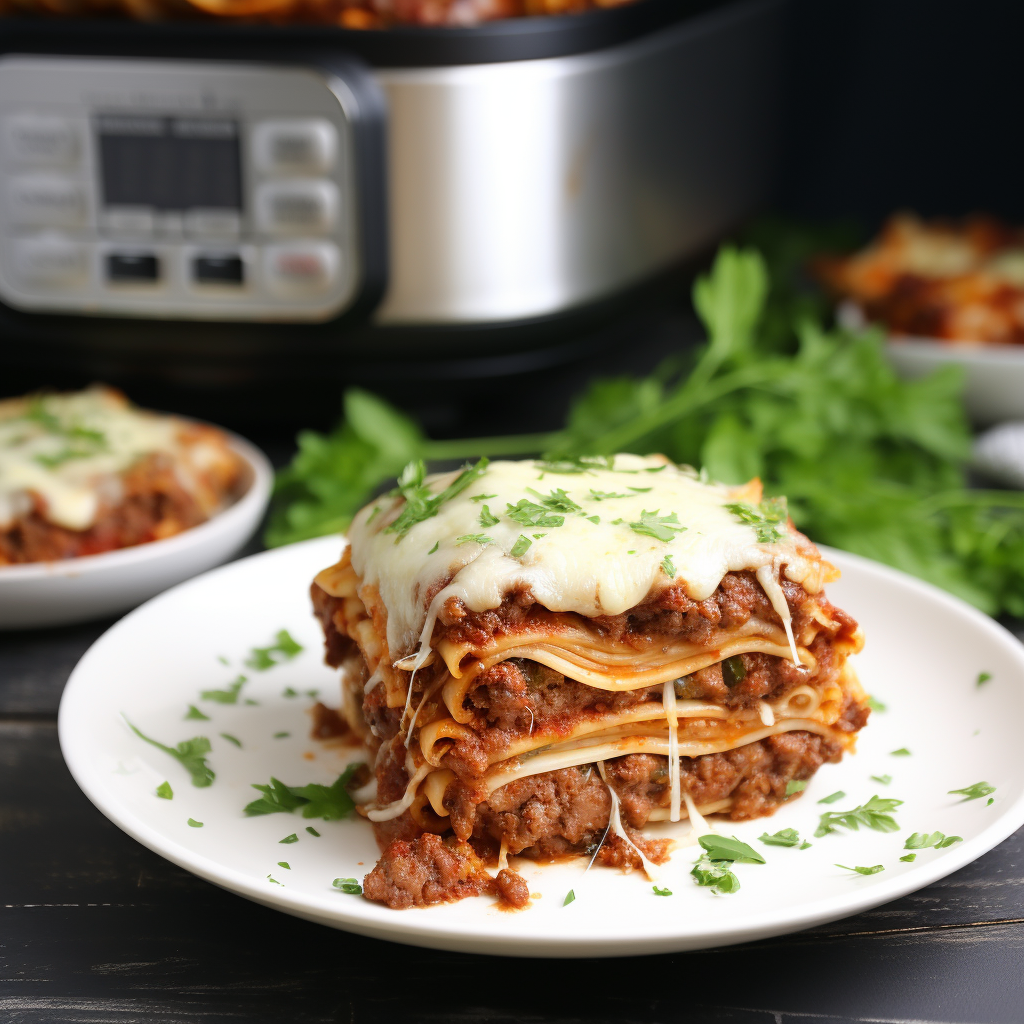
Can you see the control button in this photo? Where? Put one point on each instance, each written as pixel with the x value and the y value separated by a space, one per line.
pixel 216 268
pixel 128 221
pixel 132 266
pixel 300 146
pixel 51 262
pixel 45 201
pixel 296 207
pixel 301 267
pixel 40 139
pixel 213 224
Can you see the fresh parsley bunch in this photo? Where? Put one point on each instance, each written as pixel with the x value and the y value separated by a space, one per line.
pixel 870 463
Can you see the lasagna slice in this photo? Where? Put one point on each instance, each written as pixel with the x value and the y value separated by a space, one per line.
pixel 86 472
pixel 544 658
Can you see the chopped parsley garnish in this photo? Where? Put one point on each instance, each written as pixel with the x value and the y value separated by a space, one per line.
pixel 288 840
pixel 420 502
pixel 909 857
pixel 231 739
pixel 902 752
pixel 284 648
pixel 795 786
pixel 605 495
pixel 983 677
pixel 989 802
pixel 482 497
pixel 873 870
pixel 275 881
pixel 657 469
pixel 569 897
pixel 284 864
pixel 437 544
pixel 373 515
pixel 223 660
pixel 557 501
pixel 875 814
pixel 805 845
pixel 641 490
pixel 487 518
pixel 733 671
pixel 723 848
pixel 832 797
pixel 194 824
pixel 882 779
pixel 316 801
pixel 529 513
pixel 973 792
pixel 194 712
pixel 924 841
pixel 228 696
pixel 312 831
pixel 661 892
pixel 787 837
pixel 876 705
pixel 668 567
pixel 474 538
pixel 191 754
pixel 716 877
pixel 766 518
pixel 281 735
pixel 164 791
pixel 521 546
pixel 289 691
pixel 651 524
pixel 349 886
pixel 576 464
pixel 537 536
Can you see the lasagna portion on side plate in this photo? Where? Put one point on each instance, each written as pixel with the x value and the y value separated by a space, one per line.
pixel 544 657
pixel 86 472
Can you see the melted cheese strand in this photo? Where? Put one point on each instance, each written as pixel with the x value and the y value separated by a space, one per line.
pixel 668 699
pixel 698 823
pixel 393 810
pixel 615 824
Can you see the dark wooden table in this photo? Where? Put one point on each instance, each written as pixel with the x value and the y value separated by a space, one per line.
pixel 95 928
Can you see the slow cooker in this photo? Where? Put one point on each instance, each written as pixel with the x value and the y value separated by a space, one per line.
pixel 183 193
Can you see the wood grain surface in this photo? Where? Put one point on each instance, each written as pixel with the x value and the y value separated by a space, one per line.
pixel 96 928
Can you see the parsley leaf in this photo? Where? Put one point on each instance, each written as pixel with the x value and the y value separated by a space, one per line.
pixel 875 814
pixel 661 892
pixel 487 519
pixel 437 544
pixel 195 713
pixel 876 705
pixel 284 648
pixel 421 503
pixel 909 857
pixel 312 831
pixel 288 840
pixel 227 696
pixel 832 797
pixel 570 896
pixel 923 841
pixel 317 801
pixel 795 786
pixel 767 518
pixel 473 538
pixel 529 513
pixel 194 824
pixel 717 877
pixel 164 791
pixel 787 837
pixel 349 886
pixel 983 677
pixel 979 789
pixel 902 752
pixel 723 848
pixel 190 754
pixel 284 864
pixel 863 871
pixel 482 497
pixel 662 528
pixel 521 546
pixel 556 501
pixel 231 739
pixel 605 495
pixel 668 567
pixel 883 780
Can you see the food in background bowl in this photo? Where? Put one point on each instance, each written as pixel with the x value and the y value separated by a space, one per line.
pixel 86 472
pixel 959 282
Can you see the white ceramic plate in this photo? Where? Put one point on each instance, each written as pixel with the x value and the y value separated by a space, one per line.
pixel 993 374
pixel 924 652
pixel 79 589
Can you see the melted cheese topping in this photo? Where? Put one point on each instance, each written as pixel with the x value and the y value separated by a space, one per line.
pixel 68 450
pixel 595 563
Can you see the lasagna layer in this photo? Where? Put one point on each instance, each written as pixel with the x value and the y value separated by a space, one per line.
pixel 638 667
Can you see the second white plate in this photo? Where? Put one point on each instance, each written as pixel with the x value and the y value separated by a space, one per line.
pixel 924 653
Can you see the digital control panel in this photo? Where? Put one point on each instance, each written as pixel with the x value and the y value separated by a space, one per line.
pixel 176 189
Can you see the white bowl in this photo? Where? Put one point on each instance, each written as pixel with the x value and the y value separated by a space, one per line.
pixel 994 374
pixel 94 586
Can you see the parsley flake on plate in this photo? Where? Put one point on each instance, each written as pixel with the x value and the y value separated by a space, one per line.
pixel 284 648
pixel 910 857
pixel 349 886
pixel 875 814
pixel 293 838
pixel 316 801
pixel 226 696
pixel 795 786
pixel 661 892
pixel 312 831
pixel 275 881
pixel 873 870
pixel 983 677
pixel 662 528
pixel 284 864
pixel 717 877
pixel 194 824
pixel 231 739
pixel 883 780
pixel 281 735
pixel 979 789
pixel 785 837
pixel 902 752
pixel 196 714
pixel 723 848
pixel 164 791
pixel 570 896
pixel 832 797
pixel 924 841
pixel 190 754
pixel 289 691
pixel 876 705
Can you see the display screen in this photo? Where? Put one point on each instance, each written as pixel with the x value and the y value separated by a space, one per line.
pixel 169 163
